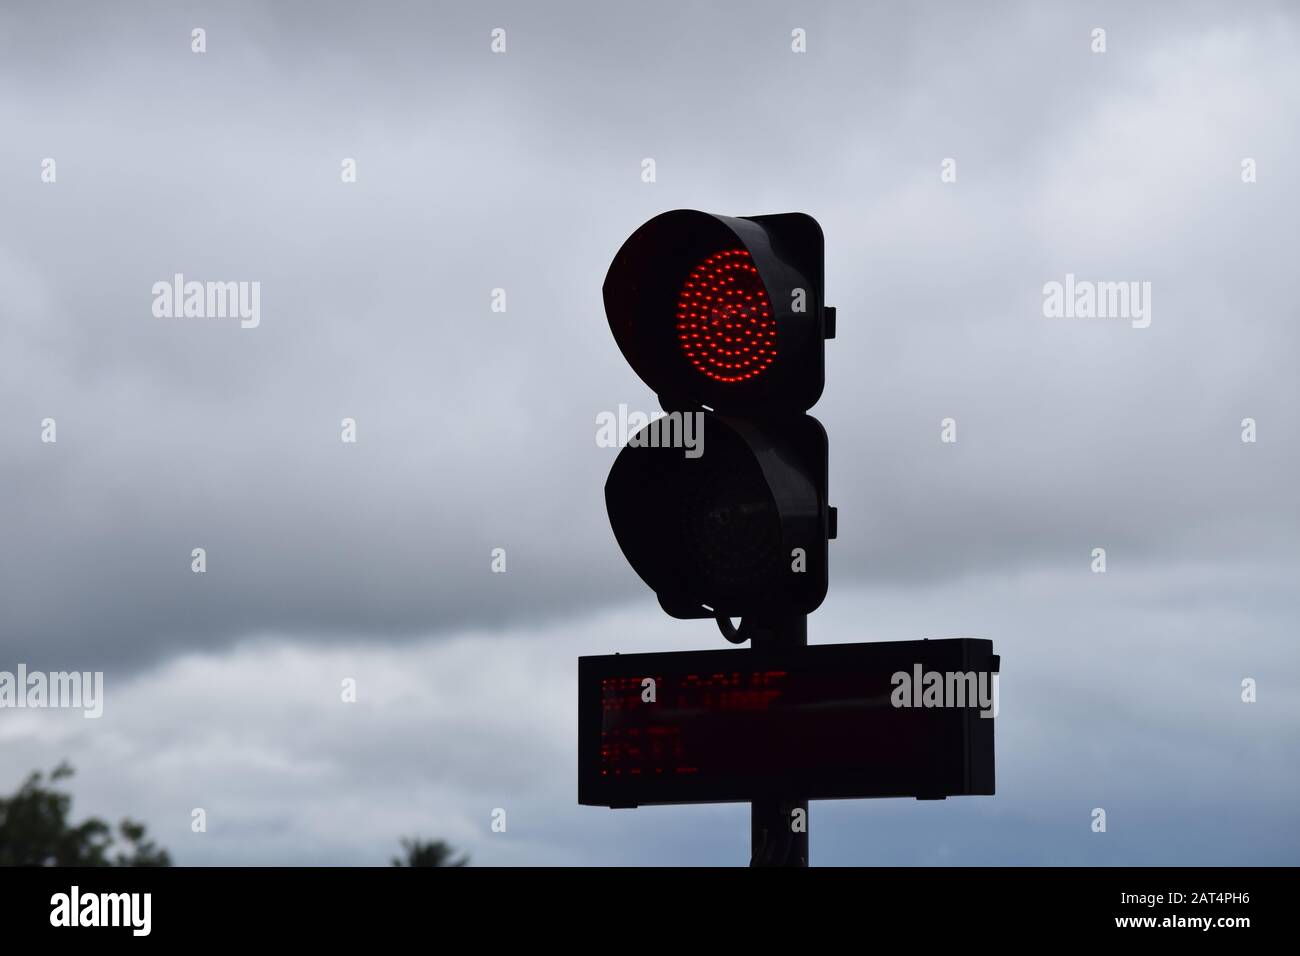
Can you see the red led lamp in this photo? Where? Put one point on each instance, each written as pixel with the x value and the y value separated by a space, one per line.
pixel 724 318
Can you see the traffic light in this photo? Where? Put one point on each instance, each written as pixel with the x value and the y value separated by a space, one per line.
pixel 724 313
pixel 720 506
pixel 725 319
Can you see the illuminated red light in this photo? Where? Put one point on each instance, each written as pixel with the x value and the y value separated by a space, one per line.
pixel 724 318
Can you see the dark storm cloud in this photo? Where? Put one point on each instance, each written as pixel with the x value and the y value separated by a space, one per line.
pixel 521 171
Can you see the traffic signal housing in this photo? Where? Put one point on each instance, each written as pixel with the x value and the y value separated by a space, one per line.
pixel 724 318
pixel 723 312
pixel 740 530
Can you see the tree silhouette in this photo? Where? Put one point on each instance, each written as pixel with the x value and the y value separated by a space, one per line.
pixel 427 853
pixel 35 831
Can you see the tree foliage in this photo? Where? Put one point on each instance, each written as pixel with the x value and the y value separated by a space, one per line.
pixel 417 852
pixel 35 831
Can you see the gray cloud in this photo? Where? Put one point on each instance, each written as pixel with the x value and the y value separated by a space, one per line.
pixel 444 731
pixel 519 171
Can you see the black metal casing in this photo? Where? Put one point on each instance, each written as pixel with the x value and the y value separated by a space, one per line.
pixel 742 529
pixel 745 725
pixel 644 280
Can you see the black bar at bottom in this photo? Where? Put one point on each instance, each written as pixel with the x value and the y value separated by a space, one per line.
pixel 374 906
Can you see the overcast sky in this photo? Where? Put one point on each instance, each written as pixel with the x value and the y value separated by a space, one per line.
pixel 522 170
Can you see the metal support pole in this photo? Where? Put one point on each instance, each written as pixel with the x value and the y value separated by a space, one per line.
pixel 778 831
